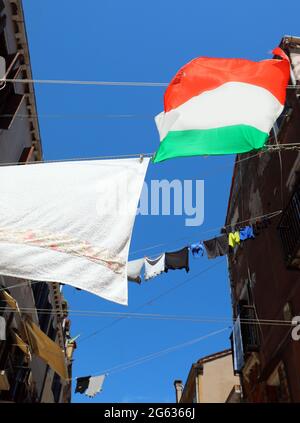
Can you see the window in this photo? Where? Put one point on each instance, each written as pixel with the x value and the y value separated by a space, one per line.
pixel 26 154
pixel 249 328
pixel 56 387
pixel 52 331
pixel 289 231
pixel 41 296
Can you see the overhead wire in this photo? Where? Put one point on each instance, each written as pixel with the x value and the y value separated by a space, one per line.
pixel 78 116
pixel 149 316
pixel 148 302
pixel 99 83
pixel 118 156
pixel 158 354
pixel 92 83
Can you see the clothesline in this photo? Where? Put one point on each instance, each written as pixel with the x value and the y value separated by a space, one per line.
pixel 118 156
pixel 210 230
pixel 100 83
pixel 152 300
pixel 265 149
pixel 195 319
pixel 93 384
pixel 158 354
pixel 79 116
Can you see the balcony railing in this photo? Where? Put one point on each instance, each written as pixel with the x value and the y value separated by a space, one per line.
pixel 289 231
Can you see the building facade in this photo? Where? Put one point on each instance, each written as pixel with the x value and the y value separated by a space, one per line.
pixel 24 376
pixel 264 272
pixel 210 380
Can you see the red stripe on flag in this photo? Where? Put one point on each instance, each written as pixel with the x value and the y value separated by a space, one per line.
pixel 204 73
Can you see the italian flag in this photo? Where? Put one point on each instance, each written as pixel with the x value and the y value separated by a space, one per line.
pixel 221 106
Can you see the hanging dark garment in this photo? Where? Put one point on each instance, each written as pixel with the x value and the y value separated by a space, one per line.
pixel 177 260
pixel 197 249
pixel 82 384
pixel 90 385
pixel 216 247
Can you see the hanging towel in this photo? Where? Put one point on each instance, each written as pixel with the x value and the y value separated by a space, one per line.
pixel 178 260
pixel 246 233
pixel 197 249
pixel 234 239
pixel 70 222
pixel 134 269
pixel 216 247
pixel 154 267
pixel 2 329
pixel 89 385
pixel 46 349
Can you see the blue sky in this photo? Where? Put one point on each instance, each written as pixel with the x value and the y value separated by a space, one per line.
pixel 144 41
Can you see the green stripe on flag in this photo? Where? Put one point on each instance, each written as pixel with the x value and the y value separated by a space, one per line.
pixel 217 141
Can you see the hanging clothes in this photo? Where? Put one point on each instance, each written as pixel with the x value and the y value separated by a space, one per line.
pixel 177 260
pixel 46 349
pixel 134 270
pixel 71 222
pixel 82 384
pixel 2 329
pixel 89 385
pixel 217 246
pixel 95 385
pixel 246 233
pixel 20 343
pixel 197 249
pixel 234 239
pixel 154 267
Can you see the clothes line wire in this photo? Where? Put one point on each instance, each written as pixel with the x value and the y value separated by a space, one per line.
pixel 165 292
pixel 119 156
pixel 18 285
pixel 80 116
pixel 158 354
pixel 99 83
pixel 87 83
pixel 270 215
pixel 149 316
pixel 148 302
pixel 209 230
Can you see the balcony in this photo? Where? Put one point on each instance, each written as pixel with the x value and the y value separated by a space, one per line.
pixel 289 231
